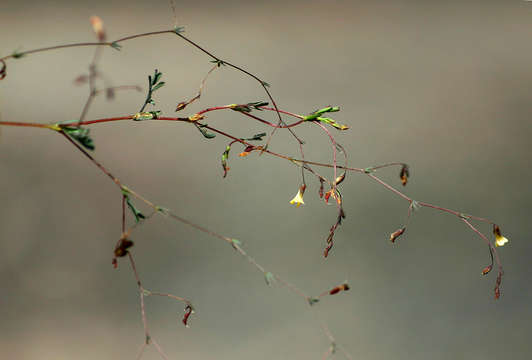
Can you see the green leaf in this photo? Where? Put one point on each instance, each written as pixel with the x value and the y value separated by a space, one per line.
pixel 235 243
pixel 162 210
pixel 155 114
pixel 269 278
pixel 241 108
pixel 225 156
pixel 204 132
pixel 249 106
pixel 158 86
pixel 218 62
pixel 156 77
pixel 81 135
pixel 313 301
pixel 17 55
pixel 257 104
pixel 317 113
pixel 179 29
pixel 116 46
pixel 138 215
pixel 256 137
pixel 153 85
pixel 265 84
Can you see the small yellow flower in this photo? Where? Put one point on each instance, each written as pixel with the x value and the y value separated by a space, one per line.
pixel 298 199
pixel 499 239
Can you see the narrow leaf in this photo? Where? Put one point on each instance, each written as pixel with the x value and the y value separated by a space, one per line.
pixel 138 215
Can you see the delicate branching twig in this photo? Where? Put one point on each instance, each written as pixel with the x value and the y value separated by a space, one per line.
pixel 77 133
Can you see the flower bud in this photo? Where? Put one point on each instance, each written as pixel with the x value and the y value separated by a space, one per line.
pixel 97 27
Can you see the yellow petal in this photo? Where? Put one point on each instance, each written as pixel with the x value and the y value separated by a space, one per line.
pixel 298 199
pixel 500 240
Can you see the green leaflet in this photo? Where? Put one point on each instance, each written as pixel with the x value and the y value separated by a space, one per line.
pixel 269 278
pixel 154 84
pixel 136 212
pixel 116 46
pixel 81 135
pixel 179 29
pixel 204 132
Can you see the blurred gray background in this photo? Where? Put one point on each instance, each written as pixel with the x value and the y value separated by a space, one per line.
pixel 445 86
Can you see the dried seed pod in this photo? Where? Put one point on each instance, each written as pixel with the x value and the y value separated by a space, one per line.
pixel 396 234
pixel 82 79
pixel 404 174
pixel 339 179
pixel 497 293
pixel 487 269
pixel 121 248
pixel 189 310
pixel 181 106
pixel 497 289
pixel 337 289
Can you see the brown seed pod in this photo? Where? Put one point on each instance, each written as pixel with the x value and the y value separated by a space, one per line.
pixel 396 234
pixel 181 106
pixel 487 269
pixel 404 174
pixel 337 289
pixel 121 248
pixel 189 310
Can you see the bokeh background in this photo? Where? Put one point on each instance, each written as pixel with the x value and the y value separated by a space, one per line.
pixel 445 86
